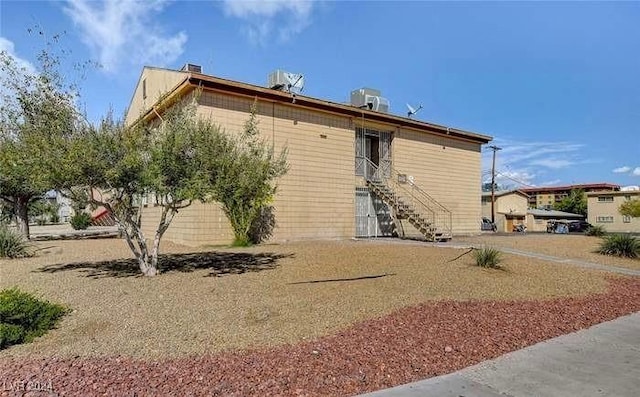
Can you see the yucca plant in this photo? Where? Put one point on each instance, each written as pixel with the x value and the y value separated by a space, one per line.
pixel 623 245
pixel 596 231
pixel 13 245
pixel 487 257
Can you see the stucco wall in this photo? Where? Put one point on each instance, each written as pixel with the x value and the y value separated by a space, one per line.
pixel 601 209
pixel 316 198
pixel 449 170
pixel 157 82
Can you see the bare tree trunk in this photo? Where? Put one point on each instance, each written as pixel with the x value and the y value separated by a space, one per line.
pixel 165 220
pixel 132 232
pixel 21 206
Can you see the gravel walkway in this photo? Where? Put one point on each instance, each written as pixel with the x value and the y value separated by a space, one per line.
pixel 410 344
pixel 569 246
pixel 581 263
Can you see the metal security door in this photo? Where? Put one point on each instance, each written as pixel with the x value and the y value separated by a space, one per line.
pixel 373 217
pixel 366 217
pixel 362 212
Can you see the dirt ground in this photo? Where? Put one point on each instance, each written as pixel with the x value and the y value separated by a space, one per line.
pixel 572 246
pixel 217 300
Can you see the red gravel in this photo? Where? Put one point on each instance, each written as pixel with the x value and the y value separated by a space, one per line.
pixel 408 345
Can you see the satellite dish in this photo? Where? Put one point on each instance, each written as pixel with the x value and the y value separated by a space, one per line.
pixel 412 111
pixel 285 81
pixel 294 82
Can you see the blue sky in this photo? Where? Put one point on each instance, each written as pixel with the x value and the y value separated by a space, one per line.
pixel 556 84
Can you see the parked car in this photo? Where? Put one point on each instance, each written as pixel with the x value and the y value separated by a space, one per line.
pixel 488 225
pixel 559 227
pixel 579 226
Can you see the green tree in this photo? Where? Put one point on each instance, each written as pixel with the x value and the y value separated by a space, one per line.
pixel 575 203
pixel 36 108
pixel 630 208
pixel 245 185
pixel 173 160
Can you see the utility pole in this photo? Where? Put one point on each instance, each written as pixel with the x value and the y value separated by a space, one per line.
pixel 493 183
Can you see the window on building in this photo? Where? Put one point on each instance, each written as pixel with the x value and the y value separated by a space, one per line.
pixel 144 88
pixel 605 199
pixel 626 219
pixel 604 219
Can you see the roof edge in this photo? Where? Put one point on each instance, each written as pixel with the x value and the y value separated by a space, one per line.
pixel 217 83
pixel 194 80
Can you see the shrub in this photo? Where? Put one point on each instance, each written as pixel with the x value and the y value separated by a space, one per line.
pixel 623 245
pixel 13 244
pixel 241 242
pixel 80 221
pixel 10 335
pixel 24 317
pixel 595 230
pixel 487 257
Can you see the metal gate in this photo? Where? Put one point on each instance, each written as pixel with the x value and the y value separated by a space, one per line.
pixel 373 217
pixel 368 141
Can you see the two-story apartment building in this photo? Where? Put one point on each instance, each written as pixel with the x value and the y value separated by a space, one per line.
pixel 603 208
pixel 355 170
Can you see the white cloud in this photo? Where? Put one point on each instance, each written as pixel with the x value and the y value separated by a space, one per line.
pixel 521 151
pixel 515 178
pixel 622 170
pixel 553 182
pixel 636 172
pixel 7 46
pixel 553 163
pixel 285 18
pixel 519 163
pixel 122 31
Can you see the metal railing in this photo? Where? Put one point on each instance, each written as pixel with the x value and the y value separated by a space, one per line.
pixel 426 206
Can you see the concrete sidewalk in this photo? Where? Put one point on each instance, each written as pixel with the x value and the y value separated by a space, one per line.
pixel 603 360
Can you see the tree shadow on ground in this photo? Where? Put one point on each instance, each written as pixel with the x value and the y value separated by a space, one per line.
pixel 218 264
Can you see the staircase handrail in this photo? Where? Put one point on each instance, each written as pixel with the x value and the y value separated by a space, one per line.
pixel 435 212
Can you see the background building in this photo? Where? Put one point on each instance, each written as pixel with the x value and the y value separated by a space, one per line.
pixel 603 210
pixel 546 197
pixel 537 218
pixel 510 208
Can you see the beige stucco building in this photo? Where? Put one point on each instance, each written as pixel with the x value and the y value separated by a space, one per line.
pixel 603 210
pixel 510 208
pixel 545 197
pixel 353 171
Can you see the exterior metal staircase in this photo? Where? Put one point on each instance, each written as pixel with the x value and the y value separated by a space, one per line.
pixel 409 202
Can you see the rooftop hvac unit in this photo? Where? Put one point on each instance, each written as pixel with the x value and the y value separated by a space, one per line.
pixel 189 67
pixel 368 98
pixel 285 81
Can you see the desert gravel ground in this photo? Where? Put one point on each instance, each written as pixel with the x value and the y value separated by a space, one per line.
pixel 571 246
pixel 197 308
pixel 261 321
